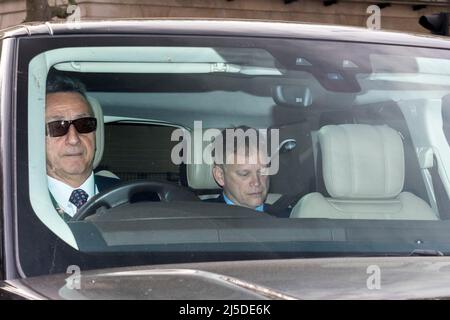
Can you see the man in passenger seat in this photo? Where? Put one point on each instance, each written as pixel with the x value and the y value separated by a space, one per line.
pixel 241 170
pixel 70 146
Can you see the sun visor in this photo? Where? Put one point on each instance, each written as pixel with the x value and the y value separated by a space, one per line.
pixel 393 64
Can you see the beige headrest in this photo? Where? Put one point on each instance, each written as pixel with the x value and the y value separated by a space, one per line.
pixel 199 176
pixel 362 161
pixel 100 132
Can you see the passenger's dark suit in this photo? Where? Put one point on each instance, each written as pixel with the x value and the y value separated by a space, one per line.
pixel 285 213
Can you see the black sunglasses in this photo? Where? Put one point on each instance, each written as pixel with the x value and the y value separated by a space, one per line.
pixel 60 128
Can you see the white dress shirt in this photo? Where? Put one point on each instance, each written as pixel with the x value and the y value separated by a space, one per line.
pixel 61 192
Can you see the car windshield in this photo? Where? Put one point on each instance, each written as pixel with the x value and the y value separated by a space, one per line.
pixel 355 136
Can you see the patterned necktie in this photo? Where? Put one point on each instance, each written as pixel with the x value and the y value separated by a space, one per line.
pixel 78 197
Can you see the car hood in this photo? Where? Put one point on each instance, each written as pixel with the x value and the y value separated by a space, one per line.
pixel 333 278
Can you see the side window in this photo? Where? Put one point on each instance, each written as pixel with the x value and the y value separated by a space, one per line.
pixel 139 151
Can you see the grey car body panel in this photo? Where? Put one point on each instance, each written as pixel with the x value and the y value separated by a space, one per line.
pixel 333 278
pixel 325 278
pixel 229 28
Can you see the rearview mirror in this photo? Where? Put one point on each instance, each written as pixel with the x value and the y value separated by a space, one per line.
pixel 292 95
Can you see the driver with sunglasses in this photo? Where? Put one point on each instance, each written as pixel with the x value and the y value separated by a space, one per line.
pixel 70 146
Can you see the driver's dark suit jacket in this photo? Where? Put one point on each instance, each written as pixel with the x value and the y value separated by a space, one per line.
pixel 102 184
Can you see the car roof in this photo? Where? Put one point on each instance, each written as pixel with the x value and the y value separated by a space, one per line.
pixel 216 27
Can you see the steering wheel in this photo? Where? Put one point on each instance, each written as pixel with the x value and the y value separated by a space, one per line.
pixel 124 192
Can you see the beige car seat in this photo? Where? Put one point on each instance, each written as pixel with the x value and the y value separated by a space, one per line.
pixel 364 171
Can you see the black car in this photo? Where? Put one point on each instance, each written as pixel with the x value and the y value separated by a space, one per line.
pixel 358 130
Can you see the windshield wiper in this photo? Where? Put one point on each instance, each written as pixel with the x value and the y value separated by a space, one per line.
pixel 425 252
